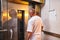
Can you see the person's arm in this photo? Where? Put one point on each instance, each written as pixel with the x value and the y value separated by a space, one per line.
pixel 29 29
pixel 29 34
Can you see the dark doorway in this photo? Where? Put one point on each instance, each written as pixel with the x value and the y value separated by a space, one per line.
pixel 1 34
pixel 21 25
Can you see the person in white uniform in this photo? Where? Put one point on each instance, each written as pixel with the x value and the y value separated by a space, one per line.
pixel 35 26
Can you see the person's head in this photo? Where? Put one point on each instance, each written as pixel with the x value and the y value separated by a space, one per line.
pixel 12 13
pixel 31 12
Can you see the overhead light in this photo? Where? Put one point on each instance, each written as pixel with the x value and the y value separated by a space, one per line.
pixel 19 2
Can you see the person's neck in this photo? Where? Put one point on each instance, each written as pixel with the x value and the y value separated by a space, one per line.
pixel 34 15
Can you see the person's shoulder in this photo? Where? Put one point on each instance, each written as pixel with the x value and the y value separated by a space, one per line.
pixel 37 17
pixel 31 19
pixel 34 18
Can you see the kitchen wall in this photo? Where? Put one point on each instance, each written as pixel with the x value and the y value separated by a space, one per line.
pixel 50 14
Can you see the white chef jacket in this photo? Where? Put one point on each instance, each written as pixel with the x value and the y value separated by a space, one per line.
pixel 34 26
